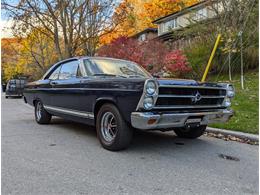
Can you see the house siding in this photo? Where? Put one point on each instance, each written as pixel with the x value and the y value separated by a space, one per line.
pixel 185 19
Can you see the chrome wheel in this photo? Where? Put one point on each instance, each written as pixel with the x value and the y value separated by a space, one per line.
pixel 108 126
pixel 38 110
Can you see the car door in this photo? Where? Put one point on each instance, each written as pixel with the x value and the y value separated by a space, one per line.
pixel 67 88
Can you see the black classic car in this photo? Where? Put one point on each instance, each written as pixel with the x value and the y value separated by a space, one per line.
pixel 117 96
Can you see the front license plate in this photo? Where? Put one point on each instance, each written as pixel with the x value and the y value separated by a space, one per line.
pixel 193 120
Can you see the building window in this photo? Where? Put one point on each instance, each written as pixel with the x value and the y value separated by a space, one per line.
pixel 142 37
pixel 168 26
pixel 200 14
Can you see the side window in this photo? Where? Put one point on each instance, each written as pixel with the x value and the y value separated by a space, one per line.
pixel 55 74
pixel 69 70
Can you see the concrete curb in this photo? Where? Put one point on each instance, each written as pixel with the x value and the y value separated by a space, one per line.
pixel 251 137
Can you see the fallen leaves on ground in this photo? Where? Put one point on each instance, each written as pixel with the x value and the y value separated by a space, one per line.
pixel 231 138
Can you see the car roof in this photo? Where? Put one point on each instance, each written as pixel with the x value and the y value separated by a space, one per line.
pixel 105 58
pixel 91 57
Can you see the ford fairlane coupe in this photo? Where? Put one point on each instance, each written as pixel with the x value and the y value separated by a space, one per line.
pixel 118 96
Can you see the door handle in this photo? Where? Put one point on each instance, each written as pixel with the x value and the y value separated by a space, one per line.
pixel 53 83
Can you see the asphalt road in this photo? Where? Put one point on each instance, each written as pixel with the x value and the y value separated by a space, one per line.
pixel 66 158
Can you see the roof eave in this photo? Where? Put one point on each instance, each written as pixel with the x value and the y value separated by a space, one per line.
pixel 175 14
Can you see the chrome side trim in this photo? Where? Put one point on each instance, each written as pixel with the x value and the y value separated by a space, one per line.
pixel 89 115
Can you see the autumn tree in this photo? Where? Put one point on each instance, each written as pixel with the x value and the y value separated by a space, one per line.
pixel 73 25
pixel 150 54
pixel 158 8
pixel 28 56
pixel 122 48
pixel 176 63
pixel 140 14
pixel 37 53
pixel 10 59
pixel 153 55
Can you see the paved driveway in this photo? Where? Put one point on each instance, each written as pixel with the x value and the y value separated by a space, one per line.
pixel 66 158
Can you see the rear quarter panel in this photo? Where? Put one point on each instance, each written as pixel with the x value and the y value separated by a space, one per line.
pixel 37 90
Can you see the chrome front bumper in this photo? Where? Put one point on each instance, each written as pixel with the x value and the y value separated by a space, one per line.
pixel 151 120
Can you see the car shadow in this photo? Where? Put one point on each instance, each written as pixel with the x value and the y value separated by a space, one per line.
pixel 14 97
pixel 141 140
pixel 164 141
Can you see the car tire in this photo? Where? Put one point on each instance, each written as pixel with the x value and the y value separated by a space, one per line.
pixel 112 130
pixel 191 133
pixel 41 115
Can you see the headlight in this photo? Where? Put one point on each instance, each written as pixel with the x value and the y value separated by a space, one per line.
pixel 227 102
pixel 150 87
pixel 148 103
pixel 230 91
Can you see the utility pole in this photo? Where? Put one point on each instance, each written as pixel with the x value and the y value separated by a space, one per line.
pixel 211 58
pixel 229 65
pixel 241 59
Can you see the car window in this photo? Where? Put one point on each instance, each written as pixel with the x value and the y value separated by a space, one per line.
pixel 69 70
pixel 111 67
pixel 55 74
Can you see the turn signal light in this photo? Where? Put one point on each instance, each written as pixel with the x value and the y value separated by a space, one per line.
pixel 151 121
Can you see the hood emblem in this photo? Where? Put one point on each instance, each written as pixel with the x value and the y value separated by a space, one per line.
pixel 196 98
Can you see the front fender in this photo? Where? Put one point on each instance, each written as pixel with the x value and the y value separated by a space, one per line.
pixel 126 104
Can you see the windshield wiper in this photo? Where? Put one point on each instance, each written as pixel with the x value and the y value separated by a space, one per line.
pixel 111 75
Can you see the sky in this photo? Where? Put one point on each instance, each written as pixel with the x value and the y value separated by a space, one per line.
pixel 6 22
pixel 6 28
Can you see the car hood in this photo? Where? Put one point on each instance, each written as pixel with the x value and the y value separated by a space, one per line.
pixel 185 82
pixel 177 82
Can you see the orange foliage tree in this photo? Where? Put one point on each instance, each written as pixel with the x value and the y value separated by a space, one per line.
pixel 158 8
pixel 138 15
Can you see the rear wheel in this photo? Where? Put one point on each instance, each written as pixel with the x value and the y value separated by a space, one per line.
pixel 191 133
pixel 41 115
pixel 112 130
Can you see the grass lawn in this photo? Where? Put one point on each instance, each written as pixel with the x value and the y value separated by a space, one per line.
pixel 245 103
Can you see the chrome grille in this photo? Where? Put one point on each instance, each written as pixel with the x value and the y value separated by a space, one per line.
pixel 189 97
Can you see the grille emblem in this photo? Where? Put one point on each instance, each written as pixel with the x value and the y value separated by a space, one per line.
pixel 196 98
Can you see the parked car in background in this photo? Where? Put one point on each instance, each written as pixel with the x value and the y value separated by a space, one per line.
pixel 117 95
pixel 14 88
pixel 3 87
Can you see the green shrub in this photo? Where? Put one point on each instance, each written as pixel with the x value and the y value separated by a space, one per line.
pixel 198 54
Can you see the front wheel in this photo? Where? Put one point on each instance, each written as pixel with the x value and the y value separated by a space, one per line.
pixel 113 132
pixel 191 133
pixel 41 115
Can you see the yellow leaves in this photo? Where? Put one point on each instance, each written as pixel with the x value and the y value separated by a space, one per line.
pixel 159 8
pixel 28 56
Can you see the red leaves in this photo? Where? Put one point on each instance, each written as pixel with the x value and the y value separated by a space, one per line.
pixel 153 55
pixel 122 48
pixel 177 63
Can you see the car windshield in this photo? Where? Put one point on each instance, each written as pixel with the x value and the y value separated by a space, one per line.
pixel 115 68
